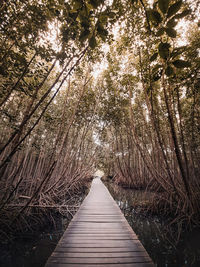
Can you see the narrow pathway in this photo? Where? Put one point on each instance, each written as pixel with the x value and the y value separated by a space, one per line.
pixel 99 235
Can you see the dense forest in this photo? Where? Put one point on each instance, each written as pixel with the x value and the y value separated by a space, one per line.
pixel 109 85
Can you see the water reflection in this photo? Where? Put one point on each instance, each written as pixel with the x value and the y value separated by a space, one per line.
pixel 33 249
pixel 159 240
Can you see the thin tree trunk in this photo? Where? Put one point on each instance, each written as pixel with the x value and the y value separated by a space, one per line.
pixel 175 140
pixel 42 113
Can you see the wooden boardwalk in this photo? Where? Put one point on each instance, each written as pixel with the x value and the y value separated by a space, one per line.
pixel 99 235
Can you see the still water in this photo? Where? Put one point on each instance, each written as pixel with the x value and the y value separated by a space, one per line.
pixel 33 249
pixel 163 243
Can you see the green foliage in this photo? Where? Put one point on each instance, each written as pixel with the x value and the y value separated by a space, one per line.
pixel 163 50
pixel 163 5
pixel 92 42
pixel 169 71
pixel 87 23
pixel 183 14
pixel 84 35
pixel 181 64
pixel 102 32
pixel 155 16
pixel 95 3
pixel 154 57
pixel 171 23
pixel 160 32
pixel 163 25
pixel 173 9
pixel 170 32
pixel 178 51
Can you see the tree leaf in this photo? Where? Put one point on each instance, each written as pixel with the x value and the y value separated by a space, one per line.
pixel 84 35
pixel 173 9
pixel 169 71
pixel 163 5
pixel 85 23
pixel 163 50
pixel 182 14
pixel 180 64
pixel 155 55
pixel 155 16
pixel 160 31
pixel 103 33
pixel 92 42
pixel 95 3
pixel 171 23
pixel 170 32
pixel 177 51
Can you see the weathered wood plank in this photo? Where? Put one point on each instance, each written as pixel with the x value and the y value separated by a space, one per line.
pixel 101 244
pixel 100 265
pixel 108 243
pixel 99 235
pixel 101 260
pixel 93 238
pixel 118 254
pixel 100 250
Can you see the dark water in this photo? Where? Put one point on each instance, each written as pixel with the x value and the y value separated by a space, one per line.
pixel 32 249
pixel 167 246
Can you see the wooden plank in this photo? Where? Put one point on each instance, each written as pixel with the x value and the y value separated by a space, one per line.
pixel 92 231
pixel 120 254
pixel 99 244
pixel 116 225
pixel 96 238
pixel 100 265
pixel 100 250
pixel 101 260
pixel 99 235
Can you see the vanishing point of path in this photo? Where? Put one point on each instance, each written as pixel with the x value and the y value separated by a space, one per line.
pixel 99 235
